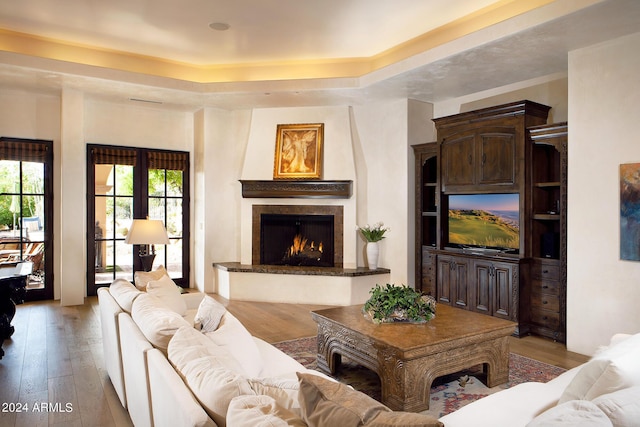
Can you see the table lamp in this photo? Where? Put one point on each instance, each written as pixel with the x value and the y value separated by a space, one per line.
pixel 147 232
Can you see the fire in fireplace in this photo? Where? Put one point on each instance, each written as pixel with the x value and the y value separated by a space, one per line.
pixel 300 240
pixel 303 252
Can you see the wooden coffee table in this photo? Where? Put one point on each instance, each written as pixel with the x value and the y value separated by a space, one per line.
pixel 408 357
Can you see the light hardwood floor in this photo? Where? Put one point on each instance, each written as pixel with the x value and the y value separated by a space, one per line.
pixel 54 365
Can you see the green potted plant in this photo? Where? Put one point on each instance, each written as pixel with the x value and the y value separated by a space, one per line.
pixel 391 303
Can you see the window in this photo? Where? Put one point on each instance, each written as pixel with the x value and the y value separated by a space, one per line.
pixel 26 211
pixel 127 183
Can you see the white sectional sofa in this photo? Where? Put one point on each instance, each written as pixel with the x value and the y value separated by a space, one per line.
pixel 183 360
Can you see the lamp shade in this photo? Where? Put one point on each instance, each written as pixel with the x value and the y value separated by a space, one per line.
pixel 147 232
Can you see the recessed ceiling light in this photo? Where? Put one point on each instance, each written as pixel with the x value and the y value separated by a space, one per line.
pixel 219 26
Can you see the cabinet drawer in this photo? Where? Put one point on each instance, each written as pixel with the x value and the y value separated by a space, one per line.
pixel 545 271
pixel 545 318
pixel 551 287
pixel 545 301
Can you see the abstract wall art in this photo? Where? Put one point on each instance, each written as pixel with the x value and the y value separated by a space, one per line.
pixel 630 211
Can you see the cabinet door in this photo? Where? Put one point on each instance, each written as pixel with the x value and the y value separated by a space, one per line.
pixel 504 279
pixel 460 282
pixel 496 157
pixel 481 295
pixel 453 281
pixel 444 280
pixel 458 160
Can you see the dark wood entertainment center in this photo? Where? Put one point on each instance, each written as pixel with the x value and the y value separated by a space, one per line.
pixel 498 150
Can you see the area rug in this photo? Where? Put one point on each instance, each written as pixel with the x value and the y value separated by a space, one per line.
pixel 448 393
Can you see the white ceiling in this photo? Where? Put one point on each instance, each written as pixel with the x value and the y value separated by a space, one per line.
pixel 260 30
pixel 524 47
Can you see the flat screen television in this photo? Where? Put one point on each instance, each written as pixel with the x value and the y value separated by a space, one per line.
pixel 485 221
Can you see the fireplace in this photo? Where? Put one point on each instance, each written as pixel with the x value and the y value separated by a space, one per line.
pixel 297 235
pixel 302 240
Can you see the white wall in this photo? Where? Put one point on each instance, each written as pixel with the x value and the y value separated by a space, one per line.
pixel 137 126
pixel 219 155
pixel 200 207
pixel 37 116
pixel 383 144
pixel 551 90
pixel 71 243
pixel 603 292
pixel 30 115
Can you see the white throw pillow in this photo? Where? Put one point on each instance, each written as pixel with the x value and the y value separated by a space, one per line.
pixel 576 413
pixel 209 314
pixel 169 293
pixel 233 335
pixel 622 407
pixel 124 293
pixel 141 278
pixel 260 411
pixel 156 322
pixel 613 369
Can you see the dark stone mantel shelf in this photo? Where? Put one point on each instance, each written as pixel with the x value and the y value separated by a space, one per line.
pixel 236 267
pixel 297 189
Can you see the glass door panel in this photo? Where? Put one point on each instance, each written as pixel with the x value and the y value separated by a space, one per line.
pixel 165 203
pixel 113 217
pixel 174 257
pixel 25 213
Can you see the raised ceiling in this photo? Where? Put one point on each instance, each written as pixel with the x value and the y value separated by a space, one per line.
pixel 259 30
pixel 295 52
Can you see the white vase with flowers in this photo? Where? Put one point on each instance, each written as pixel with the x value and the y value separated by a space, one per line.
pixel 373 235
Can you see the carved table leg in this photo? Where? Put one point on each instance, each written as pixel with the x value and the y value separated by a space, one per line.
pixel 405 384
pixel 327 359
pixel 498 367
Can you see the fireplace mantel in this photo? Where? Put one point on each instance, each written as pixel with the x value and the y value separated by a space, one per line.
pixel 297 189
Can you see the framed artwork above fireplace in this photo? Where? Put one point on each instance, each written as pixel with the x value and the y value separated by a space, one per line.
pixel 299 151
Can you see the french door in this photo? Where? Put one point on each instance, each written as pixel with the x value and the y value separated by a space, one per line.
pixel 125 183
pixel 26 211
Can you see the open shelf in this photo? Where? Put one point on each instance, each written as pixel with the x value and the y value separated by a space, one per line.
pixel 546 217
pixel 552 184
